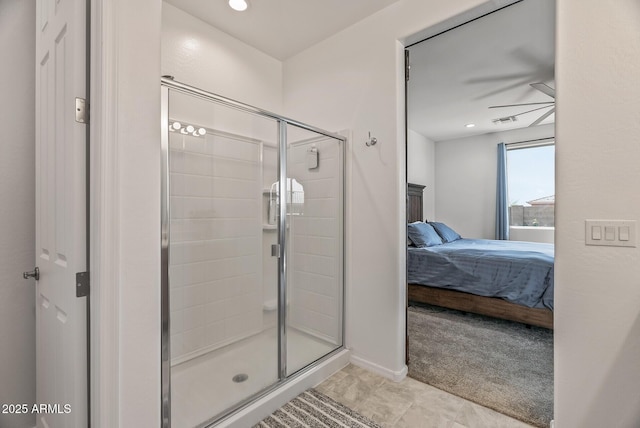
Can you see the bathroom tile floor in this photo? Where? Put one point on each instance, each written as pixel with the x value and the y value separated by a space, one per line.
pixel 409 403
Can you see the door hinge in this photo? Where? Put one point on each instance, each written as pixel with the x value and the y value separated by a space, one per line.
pixel 407 65
pixel 82 284
pixel 82 110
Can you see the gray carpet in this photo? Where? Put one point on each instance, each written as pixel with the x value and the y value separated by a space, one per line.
pixel 312 409
pixel 499 364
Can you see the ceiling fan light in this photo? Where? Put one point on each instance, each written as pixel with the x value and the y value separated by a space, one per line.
pixel 239 5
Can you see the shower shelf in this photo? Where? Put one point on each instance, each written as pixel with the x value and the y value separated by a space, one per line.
pixel 269 227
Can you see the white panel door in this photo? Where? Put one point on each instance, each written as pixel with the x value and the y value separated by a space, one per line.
pixel 61 361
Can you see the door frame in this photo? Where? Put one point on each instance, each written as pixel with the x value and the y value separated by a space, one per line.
pixel 125 304
pixel 104 222
pixel 433 31
pixel 419 37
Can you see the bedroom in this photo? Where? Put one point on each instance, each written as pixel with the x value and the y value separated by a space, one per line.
pixel 356 77
pixel 470 89
pixel 455 123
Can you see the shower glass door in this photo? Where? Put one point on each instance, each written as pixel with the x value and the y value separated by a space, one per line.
pixel 252 253
pixel 314 246
pixel 223 279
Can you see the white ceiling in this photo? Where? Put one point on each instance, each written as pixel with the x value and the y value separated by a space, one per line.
pixel 282 28
pixel 457 75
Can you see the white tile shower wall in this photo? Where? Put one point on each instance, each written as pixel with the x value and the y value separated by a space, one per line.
pixel 215 272
pixel 314 282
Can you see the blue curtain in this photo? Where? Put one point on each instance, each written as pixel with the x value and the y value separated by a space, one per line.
pixel 502 205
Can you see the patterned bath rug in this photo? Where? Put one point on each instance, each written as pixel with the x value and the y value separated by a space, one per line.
pixel 312 409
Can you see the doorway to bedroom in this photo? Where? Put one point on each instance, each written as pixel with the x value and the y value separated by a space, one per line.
pixel 480 151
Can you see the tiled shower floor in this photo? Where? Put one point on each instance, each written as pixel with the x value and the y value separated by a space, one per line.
pixel 204 387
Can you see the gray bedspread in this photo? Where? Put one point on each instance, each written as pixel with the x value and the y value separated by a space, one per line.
pixel 519 272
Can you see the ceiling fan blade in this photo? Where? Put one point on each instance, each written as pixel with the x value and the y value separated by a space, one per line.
pixel 524 112
pixel 529 111
pixel 523 104
pixel 544 89
pixel 543 117
pixel 499 78
pixel 502 89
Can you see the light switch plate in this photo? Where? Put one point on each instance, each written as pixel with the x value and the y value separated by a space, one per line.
pixel 608 233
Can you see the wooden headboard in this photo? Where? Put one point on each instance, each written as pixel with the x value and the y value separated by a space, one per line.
pixel 414 202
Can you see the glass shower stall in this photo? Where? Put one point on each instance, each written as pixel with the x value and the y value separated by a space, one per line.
pixel 252 252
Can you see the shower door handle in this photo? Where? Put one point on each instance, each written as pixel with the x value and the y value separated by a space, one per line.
pixel 275 250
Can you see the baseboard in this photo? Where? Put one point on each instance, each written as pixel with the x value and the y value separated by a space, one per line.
pixel 266 405
pixel 395 376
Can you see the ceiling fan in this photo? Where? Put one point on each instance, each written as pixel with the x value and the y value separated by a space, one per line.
pixel 545 89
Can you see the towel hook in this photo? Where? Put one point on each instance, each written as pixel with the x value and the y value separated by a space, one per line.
pixel 372 140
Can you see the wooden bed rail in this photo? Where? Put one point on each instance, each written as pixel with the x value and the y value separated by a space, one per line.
pixel 489 306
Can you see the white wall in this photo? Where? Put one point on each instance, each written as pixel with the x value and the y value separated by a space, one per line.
pixel 597 301
pixel 532 234
pixel 421 169
pixel 597 329
pixel 17 211
pixel 200 55
pixel 466 171
pixel 354 80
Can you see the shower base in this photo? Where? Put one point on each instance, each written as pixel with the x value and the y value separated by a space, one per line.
pixel 204 387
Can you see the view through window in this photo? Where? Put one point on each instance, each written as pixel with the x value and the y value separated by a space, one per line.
pixel 531 185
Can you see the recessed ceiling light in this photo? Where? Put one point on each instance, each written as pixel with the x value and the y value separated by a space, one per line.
pixel 470 125
pixel 239 5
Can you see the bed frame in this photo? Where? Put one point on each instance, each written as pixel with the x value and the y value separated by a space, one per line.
pixel 466 302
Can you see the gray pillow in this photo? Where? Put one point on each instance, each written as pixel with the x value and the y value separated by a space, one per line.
pixel 423 234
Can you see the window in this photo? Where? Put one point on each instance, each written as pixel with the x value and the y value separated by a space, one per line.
pixel 531 185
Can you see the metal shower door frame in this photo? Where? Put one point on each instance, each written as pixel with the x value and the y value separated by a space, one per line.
pixel 168 84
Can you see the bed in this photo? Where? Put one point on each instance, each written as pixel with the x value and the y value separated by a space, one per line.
pixel 503 279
